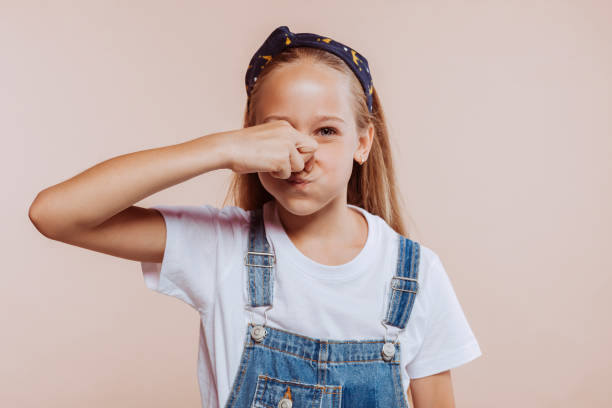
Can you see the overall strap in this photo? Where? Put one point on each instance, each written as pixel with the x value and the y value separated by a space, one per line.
pixel 259 260
pixel 404 285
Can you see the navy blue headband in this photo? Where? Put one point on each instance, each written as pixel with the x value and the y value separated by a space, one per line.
pixel 281 38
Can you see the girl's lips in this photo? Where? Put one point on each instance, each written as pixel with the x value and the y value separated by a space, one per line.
pixel 298 183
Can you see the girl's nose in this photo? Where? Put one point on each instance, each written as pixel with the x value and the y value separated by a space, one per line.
pixel 309 163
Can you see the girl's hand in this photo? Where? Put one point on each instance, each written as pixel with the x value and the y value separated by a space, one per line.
pixel 275 147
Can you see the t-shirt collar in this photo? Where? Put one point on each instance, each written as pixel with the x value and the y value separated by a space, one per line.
pixel 278 238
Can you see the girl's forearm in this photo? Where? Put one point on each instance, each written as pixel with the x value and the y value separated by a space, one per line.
pixel 98 193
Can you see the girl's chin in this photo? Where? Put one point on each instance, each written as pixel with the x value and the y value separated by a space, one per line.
pixel 297 205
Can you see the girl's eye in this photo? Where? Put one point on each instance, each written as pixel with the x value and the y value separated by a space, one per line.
pixel 329 128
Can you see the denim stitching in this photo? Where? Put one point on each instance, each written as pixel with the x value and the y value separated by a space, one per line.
pixel 246 355
pixel 401 302
pixel 256 397
pixel 412 273
pixel 328 362
pixel 400 393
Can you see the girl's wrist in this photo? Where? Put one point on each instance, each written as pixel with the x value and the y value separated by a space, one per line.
pixel 216 149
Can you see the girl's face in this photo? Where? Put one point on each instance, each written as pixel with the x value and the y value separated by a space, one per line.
pixel 301 94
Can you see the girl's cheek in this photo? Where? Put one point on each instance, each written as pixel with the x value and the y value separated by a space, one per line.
pixel 330 155
pixel 323 157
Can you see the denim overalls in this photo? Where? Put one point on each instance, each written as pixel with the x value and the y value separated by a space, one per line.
pixel 281 369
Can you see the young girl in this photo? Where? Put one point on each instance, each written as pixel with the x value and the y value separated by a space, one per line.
pixel 310 293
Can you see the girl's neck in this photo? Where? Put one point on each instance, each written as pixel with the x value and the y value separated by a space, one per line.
pixel 334 235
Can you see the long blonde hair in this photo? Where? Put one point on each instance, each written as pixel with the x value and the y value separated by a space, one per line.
pixel 372 186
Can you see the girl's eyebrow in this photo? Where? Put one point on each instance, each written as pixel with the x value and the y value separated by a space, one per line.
pixel 319 118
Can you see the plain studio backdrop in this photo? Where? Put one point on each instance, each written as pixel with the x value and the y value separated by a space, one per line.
pixel 500 117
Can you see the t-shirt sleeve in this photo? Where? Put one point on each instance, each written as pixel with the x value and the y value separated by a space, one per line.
pixel 194 239
pixel 448 341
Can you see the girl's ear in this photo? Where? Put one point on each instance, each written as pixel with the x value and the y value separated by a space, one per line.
pixel 364 144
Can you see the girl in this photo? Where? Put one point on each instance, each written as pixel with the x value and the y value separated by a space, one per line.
pixel 309 291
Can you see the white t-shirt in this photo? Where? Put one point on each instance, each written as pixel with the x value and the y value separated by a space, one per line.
pixel 203 265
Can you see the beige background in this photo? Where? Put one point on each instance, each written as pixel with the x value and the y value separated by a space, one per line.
pixel 500 115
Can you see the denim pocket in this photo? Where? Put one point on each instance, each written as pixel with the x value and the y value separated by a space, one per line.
pixel 270 391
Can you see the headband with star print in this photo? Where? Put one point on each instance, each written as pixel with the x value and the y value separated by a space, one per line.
pixel 281 38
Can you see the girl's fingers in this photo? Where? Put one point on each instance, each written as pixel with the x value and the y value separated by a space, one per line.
pixel 296 161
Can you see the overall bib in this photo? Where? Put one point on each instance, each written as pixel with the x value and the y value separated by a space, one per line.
pixel 281 369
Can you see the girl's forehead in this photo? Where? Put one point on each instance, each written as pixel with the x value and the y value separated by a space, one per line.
pixel 303 73
pixel 305 90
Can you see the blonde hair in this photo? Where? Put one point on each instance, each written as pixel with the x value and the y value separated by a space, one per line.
pixel 372 186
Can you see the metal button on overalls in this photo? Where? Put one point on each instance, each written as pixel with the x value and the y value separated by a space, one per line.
pixel 258 333
pixel 388 351
pixel 285 403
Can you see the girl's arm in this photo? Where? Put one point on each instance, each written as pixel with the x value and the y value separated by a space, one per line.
pixel 433 391
pixel 95 210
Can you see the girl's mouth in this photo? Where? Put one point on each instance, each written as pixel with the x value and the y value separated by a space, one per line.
pixel 300 184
